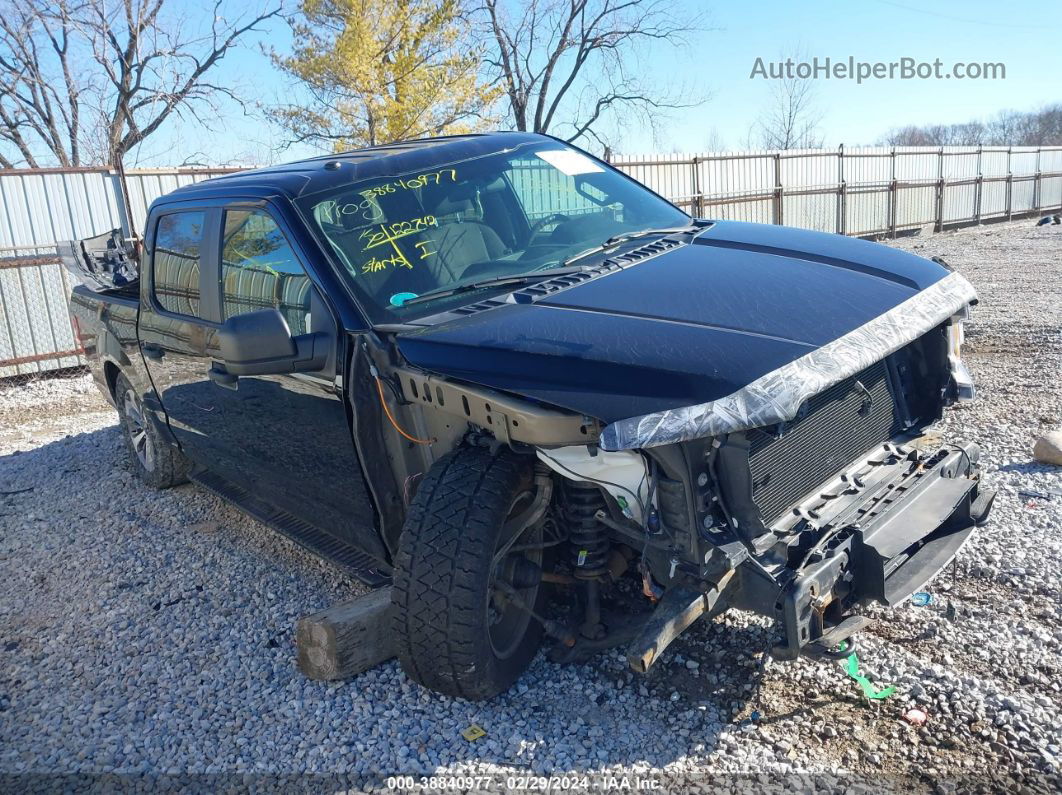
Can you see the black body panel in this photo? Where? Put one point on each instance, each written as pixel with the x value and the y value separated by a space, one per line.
pixel 601 364
pixel 368 569
pixel 690 325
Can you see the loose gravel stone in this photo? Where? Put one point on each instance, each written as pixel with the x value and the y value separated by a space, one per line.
pixel 152 632
pixel 1048 448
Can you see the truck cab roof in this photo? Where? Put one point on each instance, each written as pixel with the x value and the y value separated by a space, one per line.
pixel 304 177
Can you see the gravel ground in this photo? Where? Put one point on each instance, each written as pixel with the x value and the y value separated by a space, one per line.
pixel 152 633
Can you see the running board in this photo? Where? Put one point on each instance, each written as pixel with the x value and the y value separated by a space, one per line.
pixel 349 559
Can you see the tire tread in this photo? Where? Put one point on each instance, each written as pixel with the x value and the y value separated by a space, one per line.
pixel 442 571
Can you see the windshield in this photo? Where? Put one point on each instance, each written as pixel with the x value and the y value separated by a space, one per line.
pixel 520 211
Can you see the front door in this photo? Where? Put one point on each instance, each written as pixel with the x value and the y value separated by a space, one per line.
pixel 285 438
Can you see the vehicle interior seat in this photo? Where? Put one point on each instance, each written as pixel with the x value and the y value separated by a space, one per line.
pixel 462 236
pixel 437 255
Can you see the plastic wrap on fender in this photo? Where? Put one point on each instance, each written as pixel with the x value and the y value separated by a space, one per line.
pixel 777 396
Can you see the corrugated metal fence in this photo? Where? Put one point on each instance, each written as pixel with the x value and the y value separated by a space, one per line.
pixel 866 191
pixel 38 208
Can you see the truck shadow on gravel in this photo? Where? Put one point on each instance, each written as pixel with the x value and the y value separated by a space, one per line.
pixel 63 482
pixel 1029 468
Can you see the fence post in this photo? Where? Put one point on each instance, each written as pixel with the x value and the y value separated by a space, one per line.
pixel 695 182
pixel 892 192
pixel 777 188
pixel 1010 184
pixel 939 221
pixel 842 194
pixel 126 209
pixel 978 188
pixel 1036 183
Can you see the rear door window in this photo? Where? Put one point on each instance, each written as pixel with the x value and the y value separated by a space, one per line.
pixel 178 238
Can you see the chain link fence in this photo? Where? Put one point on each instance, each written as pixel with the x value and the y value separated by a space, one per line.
pixel 36 336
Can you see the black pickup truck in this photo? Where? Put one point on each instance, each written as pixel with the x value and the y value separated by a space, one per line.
pixel 538 399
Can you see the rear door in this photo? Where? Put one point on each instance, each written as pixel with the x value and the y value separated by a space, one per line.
pixel 177 321
pixel 284 438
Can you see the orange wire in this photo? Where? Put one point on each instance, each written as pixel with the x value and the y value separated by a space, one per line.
pixel 387 411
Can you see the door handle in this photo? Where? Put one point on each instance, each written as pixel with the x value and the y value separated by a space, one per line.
pixel 153 351
pixel 222 377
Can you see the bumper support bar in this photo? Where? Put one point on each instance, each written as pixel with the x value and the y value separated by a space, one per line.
pixel 889 549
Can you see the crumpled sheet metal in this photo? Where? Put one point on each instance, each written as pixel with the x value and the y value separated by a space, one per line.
pixel 777 396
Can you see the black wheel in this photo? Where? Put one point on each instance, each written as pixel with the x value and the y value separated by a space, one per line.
pixel 465 574
pixel 157 463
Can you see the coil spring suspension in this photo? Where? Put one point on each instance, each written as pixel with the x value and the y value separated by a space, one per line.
pixel 588 536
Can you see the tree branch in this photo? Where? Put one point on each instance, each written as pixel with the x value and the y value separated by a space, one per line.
pixel 578 72
pixel 103 76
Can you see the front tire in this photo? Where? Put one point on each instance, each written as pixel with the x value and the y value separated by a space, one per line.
pixel 158 463
pixel 455 633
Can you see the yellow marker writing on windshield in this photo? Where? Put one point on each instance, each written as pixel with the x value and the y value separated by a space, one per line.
pixel 377 264
pixel 388 233
pixel 412 183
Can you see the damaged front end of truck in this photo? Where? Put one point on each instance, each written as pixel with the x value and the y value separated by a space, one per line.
pixel 822 485
pixel 538 399
pixel 815 489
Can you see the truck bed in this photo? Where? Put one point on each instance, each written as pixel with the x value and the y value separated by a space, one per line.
pixel 105 325
pixel 105 262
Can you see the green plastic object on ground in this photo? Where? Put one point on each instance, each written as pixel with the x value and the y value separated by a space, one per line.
pixel 852 667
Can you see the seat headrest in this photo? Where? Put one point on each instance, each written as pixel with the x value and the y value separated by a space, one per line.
pixel 449 199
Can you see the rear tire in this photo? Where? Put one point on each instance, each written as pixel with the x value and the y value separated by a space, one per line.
pixel 454 634
pixel 157 462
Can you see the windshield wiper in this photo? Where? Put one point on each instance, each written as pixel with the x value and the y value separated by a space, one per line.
pixel 616 240
pixel 494 281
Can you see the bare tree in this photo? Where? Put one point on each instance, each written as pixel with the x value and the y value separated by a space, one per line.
pixel 912 135
pixel 34 105
pixel 89 80
pixel 567 66
pixel 1041 127
pixel 1007 126
pixel 790 118
pixel 970 133
pixel 713 140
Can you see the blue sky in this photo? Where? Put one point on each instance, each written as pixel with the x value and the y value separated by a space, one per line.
pixel 1026 38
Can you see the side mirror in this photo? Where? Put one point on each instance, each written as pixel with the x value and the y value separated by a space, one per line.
pixel 260 343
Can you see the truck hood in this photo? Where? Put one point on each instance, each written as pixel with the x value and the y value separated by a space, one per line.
pixel 691 326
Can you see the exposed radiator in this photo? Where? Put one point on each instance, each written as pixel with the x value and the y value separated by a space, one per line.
pixel 841 424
